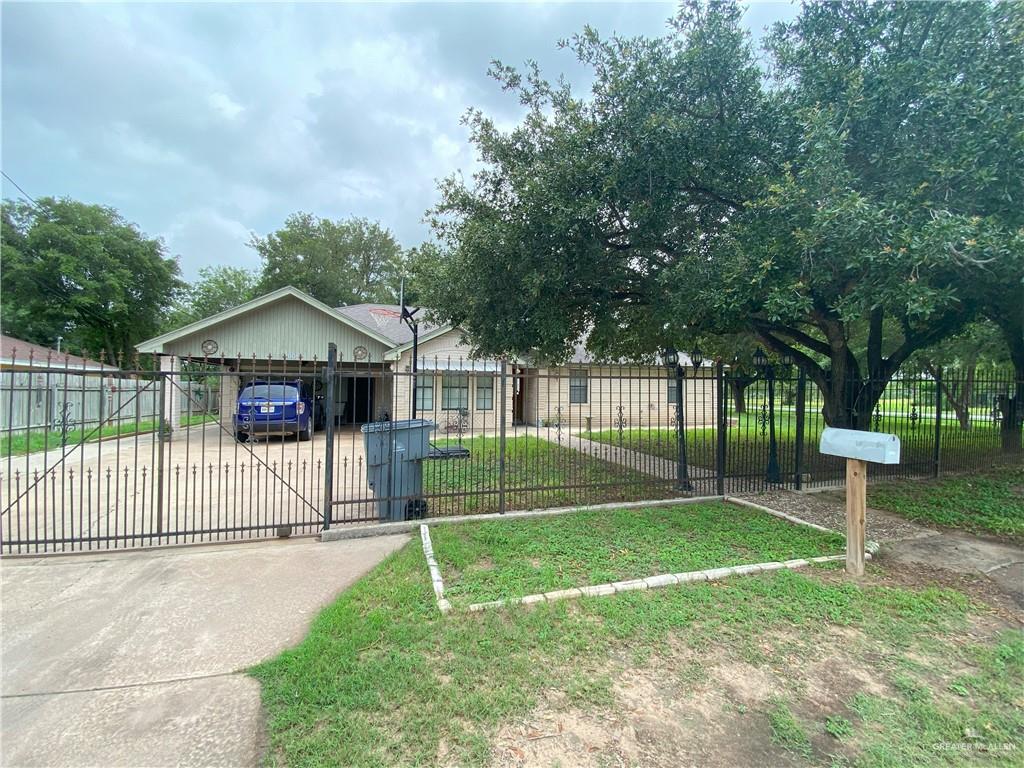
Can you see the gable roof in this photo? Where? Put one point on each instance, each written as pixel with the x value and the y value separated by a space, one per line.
pixel 155 344
pixel 386 319
pixel 433 333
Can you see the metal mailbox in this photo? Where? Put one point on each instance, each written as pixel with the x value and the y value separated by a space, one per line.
pixel 876 447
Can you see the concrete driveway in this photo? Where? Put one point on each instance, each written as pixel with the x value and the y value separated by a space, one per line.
pixel 136 658
pixel 206 484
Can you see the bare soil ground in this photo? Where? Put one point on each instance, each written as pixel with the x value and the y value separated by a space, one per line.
pixel 714 707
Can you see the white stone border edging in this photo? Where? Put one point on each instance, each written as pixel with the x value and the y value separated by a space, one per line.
pixel 408 526
pixel 654 582
pixel 435 572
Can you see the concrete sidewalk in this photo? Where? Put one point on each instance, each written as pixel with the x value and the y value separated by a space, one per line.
pixel 136 658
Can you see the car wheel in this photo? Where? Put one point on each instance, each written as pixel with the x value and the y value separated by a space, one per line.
pixel 415 509
pixel 307 433
pixel 242 437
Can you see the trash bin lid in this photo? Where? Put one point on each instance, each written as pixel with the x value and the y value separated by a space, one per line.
pixel 389 426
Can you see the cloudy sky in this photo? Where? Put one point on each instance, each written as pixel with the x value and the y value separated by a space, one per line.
pixel 204 123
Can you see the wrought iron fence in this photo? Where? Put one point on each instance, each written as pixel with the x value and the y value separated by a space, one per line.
pixel 242 448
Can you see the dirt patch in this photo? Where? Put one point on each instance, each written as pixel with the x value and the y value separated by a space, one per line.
pixel 828 508
pixel 690 708
pixel 985 567
pixel 651 725
pixel 989 597
pixel 664 718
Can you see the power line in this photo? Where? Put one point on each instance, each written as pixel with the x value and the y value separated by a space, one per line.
pixel 18 187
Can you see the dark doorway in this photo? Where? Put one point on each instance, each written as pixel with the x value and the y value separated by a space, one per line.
pixel 359 408
pixel 518 399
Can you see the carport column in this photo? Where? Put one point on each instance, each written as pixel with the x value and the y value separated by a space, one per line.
pixel 229 384
pixel 170 383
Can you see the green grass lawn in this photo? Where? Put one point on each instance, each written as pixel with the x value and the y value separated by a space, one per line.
pixel 39 440
pixel 984 502
pixel 747 448
pixel 896 673
pixel 501 559
pixel 538 473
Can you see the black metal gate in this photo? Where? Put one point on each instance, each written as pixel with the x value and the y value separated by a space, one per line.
pixel 233 449
pixel 138 457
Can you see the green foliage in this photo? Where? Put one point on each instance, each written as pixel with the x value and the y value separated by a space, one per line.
pixel 538 473
pixel 747 448
pixel 338 262
pixel 858 202
pixel 838 726
pixel 218 288
pixel 384 679
pixel 30 441
pixel 494 560
pixel 786 730
pixel 82 272
pixel 990 502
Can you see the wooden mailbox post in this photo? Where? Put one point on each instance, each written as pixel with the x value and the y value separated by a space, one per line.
pixel 858 448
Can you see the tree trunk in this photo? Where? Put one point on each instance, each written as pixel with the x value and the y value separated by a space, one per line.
pixel 738 386
pixel 956 395
pixel 1011 427
pixel 850 404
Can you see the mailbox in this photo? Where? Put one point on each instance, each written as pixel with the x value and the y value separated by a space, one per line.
pixel 876 447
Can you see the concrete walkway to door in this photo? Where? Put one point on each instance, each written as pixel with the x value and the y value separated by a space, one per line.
pixel 136 658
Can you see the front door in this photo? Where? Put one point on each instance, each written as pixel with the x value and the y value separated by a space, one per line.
pixel 518 399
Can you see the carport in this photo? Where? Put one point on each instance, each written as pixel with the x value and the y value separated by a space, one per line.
pixel 279 336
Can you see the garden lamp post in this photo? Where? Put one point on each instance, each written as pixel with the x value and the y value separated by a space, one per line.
pixel 670 357
pixel 772 473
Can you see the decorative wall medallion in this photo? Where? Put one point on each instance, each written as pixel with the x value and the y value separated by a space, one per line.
pixel 360 353
pixel 210 347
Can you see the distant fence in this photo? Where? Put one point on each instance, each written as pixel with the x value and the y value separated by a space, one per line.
pixel 57 400
pixel 504 436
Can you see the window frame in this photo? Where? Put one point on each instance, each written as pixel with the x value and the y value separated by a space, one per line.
pixel 575 386
pixel 447 388
pixel 489 389
pixel 424 386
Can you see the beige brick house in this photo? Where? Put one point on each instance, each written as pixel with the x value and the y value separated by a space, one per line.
pixel 288 330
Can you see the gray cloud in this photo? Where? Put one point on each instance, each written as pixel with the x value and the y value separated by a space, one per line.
pixel 203 123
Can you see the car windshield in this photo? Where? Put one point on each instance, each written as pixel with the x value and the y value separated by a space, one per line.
pixel 269 392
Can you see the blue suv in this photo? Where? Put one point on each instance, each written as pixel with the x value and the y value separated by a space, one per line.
pixel 277 408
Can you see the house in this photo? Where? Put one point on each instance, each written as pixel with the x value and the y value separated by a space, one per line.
pixel 287 332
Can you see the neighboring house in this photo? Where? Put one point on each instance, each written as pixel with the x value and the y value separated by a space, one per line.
pixel 288 331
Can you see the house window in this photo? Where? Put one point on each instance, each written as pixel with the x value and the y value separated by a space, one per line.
pixel 578 387
pixel 424 392
pixel 454 391
pixel 485 393
pixel 672 390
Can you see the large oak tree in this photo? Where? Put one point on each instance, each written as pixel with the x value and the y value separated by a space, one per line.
pixel 837 204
